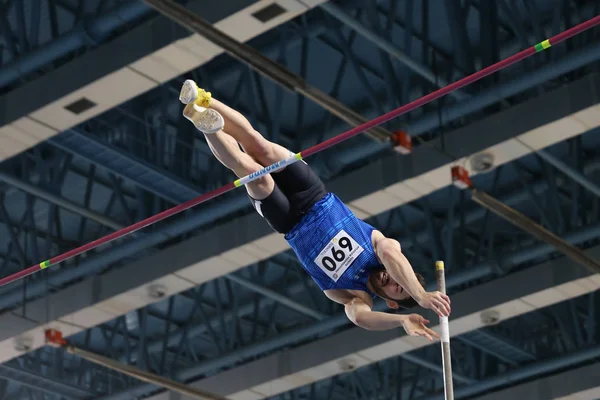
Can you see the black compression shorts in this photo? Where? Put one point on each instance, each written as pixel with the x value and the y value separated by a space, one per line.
pixel 297 189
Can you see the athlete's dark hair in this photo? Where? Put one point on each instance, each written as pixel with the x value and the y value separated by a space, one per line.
pixel 406 303
pixel 410 302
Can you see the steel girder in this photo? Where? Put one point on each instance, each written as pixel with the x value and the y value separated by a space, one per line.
pixel 553 337
pixel 188 150
pixel 399 377
pixel 550 339
pixel 145 135
pixel 226 207
pixel 145 36
pixel 235 318
pixel 154 127
pixel 35 35
pixel 55 209
pixel 425 162
pixel 578 211
pixel 580 383
pixel 557 343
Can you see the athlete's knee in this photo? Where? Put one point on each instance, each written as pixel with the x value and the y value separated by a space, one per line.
pixel 257 147
pixel 248 166
pixel 244 165
pixel 255 144
pixel 262 187
pixel 264 151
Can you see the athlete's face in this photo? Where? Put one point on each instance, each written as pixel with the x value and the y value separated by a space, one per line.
pixel 388 287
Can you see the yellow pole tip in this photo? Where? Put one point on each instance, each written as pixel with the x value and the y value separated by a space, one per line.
pixel 439 265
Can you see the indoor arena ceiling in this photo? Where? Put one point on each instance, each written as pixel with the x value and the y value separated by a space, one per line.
pixel 92 140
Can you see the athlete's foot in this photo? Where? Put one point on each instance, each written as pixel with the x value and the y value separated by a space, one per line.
pixel 191 93
pixel 205 120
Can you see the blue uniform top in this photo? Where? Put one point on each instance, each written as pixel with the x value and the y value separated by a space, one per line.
pixel 334 246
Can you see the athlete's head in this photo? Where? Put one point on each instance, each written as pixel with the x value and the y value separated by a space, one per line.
pixel 388 289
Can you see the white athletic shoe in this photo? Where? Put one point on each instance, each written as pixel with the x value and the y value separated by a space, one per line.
pixel 205 120
pixel 189 92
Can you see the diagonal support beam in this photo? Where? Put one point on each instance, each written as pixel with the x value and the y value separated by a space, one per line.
pixel 277 297
pixel 42 383
pixel 387 46
pixel 496 346
pixel 60 201
pixel 570 172
pixel 528 225
pixel 575 384
pixel 142 375
pixel 263 65
pixel 460 36
pixel 435 367
pixel 319 359
pixel 12 232
pixel 539 368
pixel 115 161
pixel 77 38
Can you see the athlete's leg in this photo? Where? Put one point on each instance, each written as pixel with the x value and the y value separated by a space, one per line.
pixel 293 179
pixel 236 125
pixel 266 197
pixel 298 181
pixel 227 151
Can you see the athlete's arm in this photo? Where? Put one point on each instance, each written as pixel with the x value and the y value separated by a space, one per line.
pixel 363 316
pixel 398 266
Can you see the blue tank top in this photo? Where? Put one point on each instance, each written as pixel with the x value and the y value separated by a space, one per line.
pixel 334 246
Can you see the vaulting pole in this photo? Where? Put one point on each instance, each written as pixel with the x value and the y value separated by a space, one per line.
pixel 445 336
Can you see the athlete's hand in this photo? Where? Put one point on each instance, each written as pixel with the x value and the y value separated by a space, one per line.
pixel 436 301
pixel 414 325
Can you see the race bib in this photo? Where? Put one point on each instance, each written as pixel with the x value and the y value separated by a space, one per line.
pixel 338 255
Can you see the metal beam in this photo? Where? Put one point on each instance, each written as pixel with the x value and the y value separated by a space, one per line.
pixel 496 346
pixel 143 375
pixel 384 172
pixel 436 368
pixel 387 46
pixel 263 65
pixel 356 346
pixel 570 172
pixel 144 175
pixel 538 231
pixel 445 115
pixel 339 320
pixel 479 272
pixel 60 201
pixel 462 50
pixel 42 383
pixel 576 384
pixel 273 295
pixel 74 40
pixel 140 41
pixel 529 371
pixel 198 329
pixel 230 358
